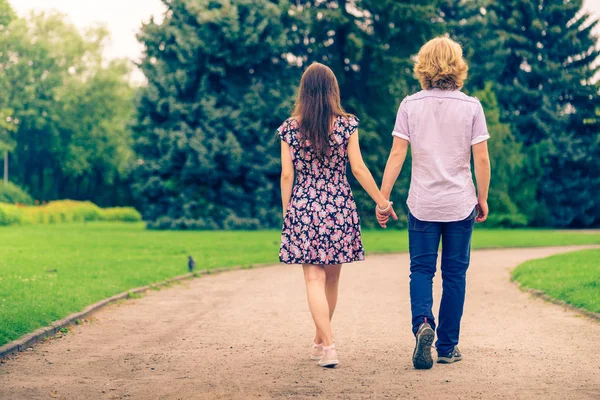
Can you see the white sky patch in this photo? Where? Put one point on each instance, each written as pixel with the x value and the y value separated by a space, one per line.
pixel 124 18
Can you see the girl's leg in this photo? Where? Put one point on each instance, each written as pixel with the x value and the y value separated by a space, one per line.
pixel 332 276
pixel 315 278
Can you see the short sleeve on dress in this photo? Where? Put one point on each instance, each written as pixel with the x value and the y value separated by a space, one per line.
pixel 401 129
pixel 284 132
pixel 479 132
pixel 350 126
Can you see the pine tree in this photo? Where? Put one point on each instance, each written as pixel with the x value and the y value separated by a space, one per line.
pixel 218 87
pixel 369 45
pixel 510 197
pixel 544 64
pixel 466 21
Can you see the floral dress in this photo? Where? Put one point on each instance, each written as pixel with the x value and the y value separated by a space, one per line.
pixel 321 225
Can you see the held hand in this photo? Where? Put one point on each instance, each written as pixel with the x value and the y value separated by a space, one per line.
pixel 383 214
pixel 382 219
pixel 482 211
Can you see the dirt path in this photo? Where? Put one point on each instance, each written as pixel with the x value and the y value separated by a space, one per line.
pixel 246 334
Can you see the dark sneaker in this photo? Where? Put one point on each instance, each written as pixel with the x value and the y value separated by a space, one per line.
pixel 452 357
pixel 422 355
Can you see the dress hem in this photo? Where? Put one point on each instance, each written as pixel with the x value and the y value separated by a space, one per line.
pixel 321 263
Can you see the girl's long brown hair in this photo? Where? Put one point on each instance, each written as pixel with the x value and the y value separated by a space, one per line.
pixel 317 106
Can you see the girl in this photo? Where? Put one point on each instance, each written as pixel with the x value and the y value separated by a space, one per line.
pixel 321 228
pixel 443 126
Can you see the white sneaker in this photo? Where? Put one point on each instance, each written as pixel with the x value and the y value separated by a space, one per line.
pixel 329 359
pixel 317 352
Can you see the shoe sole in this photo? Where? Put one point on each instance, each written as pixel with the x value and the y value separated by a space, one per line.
pixel 422 355
pixel 329 364
pixel 446 360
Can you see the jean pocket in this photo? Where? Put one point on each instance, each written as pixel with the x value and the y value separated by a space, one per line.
pixel 417 225
pixel 469 223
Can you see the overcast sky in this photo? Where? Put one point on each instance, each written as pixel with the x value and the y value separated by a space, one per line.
pixel 125 17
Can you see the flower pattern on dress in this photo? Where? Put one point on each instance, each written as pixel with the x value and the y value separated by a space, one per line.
pixel 321 225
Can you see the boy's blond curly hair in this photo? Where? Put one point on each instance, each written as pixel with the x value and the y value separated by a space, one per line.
pixel 440 64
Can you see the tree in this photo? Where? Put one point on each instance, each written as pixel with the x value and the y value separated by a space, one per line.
pixel 544 65
pixel 369 44
pixel 510 195
pixel 6 121
pixel 218 87
pixel 466 22
pixel 7 14
pixel 70 111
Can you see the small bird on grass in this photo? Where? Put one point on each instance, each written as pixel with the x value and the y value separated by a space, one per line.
pixel 191 263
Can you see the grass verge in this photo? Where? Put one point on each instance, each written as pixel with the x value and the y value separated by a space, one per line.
pixel 573 278
pixel 50 271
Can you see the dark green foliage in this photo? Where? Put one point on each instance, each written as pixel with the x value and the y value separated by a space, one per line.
pixel 12 194
pixel 467 23
pixel 539 56
pixel 218 89
pixel 509 194
pixel 368 44
pixel 543 79
pixel 214 97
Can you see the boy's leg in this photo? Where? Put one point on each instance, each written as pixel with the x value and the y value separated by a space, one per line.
pixel 424 241
pixel 456 253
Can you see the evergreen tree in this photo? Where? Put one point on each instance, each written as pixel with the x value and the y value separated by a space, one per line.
pixel 369 45
pixel 509 195
pixel 218 87
pixel 513 192
pixel 544 64
pixel 466 22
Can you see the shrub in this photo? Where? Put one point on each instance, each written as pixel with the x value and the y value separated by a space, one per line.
pixel 125 214
pixel 9 214
pixel 64 211
pixel 13 194
pixel 506 220
pixel 163 223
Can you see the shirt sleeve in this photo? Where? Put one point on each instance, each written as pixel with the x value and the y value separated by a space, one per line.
pixel 401 128
pixel 480 132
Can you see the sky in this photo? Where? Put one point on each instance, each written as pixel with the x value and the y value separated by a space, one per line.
pixel 125 17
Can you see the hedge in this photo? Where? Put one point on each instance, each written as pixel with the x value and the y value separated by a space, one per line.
pixel 13 194
pixel 64 211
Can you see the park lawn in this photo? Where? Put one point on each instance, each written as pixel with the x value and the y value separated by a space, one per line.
pixel 50 271
pixel 572 277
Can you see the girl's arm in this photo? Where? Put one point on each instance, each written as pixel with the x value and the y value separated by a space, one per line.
pixel 287 176
pixel 363 175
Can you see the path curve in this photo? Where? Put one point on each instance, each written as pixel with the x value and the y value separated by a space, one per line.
pixel 245 335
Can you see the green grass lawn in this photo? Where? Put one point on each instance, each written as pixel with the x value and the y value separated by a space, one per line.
pixel 572 277
pixel 50 271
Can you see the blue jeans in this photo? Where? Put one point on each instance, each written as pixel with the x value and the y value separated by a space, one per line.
pixel 424 240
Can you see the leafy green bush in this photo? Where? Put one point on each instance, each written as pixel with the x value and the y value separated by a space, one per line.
pixel 13 194
pixel 125 214
pixel 9 214
pixel 64 211
pixel 506 220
